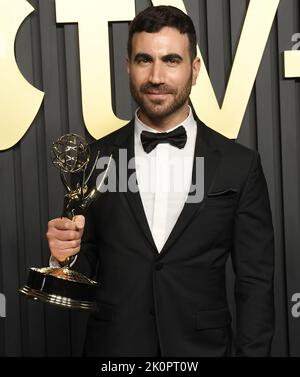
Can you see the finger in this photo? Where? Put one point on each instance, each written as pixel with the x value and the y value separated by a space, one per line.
pixel 66 235
pixel 79 221
pixel 64 245
pixel 61 256
pixel 65 224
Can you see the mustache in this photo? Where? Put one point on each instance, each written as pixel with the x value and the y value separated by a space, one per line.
pixel 160 88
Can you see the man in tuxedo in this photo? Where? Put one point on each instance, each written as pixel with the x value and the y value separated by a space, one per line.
pixel 159 252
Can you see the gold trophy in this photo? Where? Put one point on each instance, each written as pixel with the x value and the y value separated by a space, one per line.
pixel 61 285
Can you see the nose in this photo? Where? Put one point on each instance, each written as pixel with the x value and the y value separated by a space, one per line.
pixel 156 74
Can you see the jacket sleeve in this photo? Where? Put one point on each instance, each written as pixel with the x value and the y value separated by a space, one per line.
pixel 253 264
pixel 87 258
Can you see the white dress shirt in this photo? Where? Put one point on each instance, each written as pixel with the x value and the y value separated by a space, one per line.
pixel 164 178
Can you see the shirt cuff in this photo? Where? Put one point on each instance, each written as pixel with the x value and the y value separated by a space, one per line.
pixel 54 263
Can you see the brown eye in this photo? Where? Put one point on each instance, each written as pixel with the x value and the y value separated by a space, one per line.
pixel 143 59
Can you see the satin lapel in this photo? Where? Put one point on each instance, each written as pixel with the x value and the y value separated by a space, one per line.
pixel 126 144
pixel 211 162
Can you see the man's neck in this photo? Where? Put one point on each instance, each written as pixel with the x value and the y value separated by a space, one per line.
pixel 167 123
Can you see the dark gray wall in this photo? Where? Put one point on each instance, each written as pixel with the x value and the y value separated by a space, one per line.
pixel 31 193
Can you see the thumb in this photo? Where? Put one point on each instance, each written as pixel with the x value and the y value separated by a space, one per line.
pixel 79 221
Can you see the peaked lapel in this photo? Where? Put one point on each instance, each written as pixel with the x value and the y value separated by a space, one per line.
pixel 125 141
pixel 212 157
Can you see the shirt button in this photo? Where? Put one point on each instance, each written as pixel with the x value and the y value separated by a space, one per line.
pixel 159 266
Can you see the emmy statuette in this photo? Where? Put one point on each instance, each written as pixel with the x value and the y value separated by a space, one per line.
pixel 61 285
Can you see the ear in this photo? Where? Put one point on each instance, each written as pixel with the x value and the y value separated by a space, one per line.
pixel 128 65
pixel 196 69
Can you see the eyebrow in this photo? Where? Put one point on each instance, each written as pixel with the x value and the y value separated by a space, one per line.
pixel 165 58
pixel 173 56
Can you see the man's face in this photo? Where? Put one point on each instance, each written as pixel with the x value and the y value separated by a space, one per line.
pixel 161 73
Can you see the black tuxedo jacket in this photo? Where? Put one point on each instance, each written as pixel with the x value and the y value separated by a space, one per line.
pixel 177 298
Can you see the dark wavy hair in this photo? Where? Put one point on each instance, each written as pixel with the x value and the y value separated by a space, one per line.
pixel 153 19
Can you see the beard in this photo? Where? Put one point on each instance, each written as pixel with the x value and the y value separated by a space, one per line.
pixel 156 109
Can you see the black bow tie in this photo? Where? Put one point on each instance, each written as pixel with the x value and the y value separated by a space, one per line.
pixel 177 138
